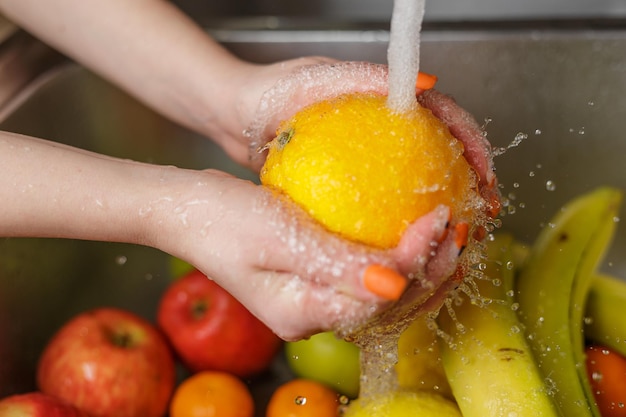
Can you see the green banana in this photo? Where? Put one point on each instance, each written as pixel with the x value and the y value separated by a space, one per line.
pixel 604 312
pixel 552 287
pixel 485 355
pixel 603 322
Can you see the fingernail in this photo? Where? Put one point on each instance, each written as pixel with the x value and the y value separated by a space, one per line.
pixel 384 282
pixel 460 238
pixel 425 81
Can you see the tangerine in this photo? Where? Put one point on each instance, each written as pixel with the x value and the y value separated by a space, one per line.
pixel 212 394
pixel 303 398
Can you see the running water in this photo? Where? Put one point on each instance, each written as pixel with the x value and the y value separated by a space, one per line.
pixel 379 340
pixel 403 55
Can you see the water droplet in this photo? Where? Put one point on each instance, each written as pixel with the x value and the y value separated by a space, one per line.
pixel 537 132
pixel 581 131
pixel 596 376
pixel 518 139
pixel 300 400
pixel 121 260
pixel 591 103
pixel 516 185
pixel 550 185
pixel 531 174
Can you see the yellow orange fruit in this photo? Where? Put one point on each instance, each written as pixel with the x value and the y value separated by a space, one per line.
pixel 365 171
pixel 404 404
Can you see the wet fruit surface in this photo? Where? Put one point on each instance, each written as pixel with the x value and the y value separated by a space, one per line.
pixel 367 172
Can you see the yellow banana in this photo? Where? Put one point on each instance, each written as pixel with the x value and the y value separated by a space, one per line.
pixel 552 287
pixel 487 360
pixel 604 312
pixel 419 360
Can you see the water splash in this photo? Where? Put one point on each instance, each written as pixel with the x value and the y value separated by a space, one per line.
pixel 517 140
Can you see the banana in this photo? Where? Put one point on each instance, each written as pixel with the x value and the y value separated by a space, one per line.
pixel 552 287
pixel 419 359
pixel 603 322
pixel 487 360
pixel 604 312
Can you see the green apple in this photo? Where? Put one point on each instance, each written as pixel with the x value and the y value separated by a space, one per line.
pixel 326 359
pixel 178 267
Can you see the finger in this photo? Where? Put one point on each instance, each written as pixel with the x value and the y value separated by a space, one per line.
pixel 305 85
pixel 465 128
pixel 419 241
pixel 299 244
pixel 312 306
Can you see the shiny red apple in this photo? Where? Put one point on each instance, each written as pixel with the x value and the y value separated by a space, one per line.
pixel 37 404
pixel 109 362
pixel 211 330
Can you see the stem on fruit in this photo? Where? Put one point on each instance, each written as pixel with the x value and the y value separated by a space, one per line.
pixel 123 340
pixel 198 309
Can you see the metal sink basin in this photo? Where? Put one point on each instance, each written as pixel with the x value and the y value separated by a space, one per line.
pixel 563 90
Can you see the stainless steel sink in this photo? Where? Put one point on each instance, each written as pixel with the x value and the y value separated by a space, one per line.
pixel 563 90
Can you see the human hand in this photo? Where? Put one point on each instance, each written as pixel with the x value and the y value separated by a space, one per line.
pixel 322 81
pixel 276 92
pixel 285 268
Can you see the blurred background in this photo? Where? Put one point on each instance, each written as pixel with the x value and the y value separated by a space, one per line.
pixel 439 10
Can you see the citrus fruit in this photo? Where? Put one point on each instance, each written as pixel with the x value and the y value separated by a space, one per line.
pixel 365 171
pixel 404 404
pixel 212 394
pixel 606 370
pixel 303 398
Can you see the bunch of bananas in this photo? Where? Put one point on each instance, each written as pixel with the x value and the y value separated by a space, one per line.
pixel 511 342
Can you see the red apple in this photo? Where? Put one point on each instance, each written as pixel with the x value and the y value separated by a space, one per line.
pixel 37 404
pixel 211 330
pixel 109 362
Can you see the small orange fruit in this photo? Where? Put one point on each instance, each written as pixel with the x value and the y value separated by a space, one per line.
pixel 303 398
pixel 365 171
pixel 212 394
pixel 606 370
